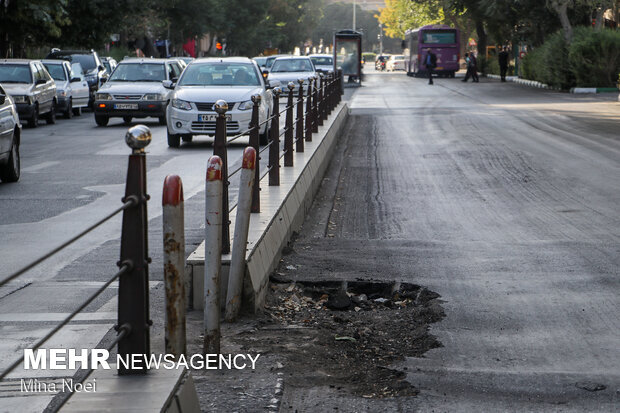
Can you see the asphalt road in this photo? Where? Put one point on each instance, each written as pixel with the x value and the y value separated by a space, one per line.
pixel 504 200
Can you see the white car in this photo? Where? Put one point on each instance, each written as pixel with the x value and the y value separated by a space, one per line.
pixel 135 90
pixel 395 62
pixel 290 69
pixel 32 89
pixel 72 92
pixel 207 80
pixel 323 62
pixel 10 132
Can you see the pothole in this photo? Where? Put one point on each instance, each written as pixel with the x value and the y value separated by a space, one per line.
pixel 347 334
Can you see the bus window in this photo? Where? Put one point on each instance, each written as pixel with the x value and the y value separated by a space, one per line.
pixel 439 37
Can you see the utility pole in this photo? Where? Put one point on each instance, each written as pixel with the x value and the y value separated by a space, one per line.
pixel 354 7
pixel 380 39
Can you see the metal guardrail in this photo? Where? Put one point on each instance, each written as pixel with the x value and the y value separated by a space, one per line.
pixel 323 94
pixel 133 296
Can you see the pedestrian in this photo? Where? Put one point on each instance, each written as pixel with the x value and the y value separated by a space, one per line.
pixel 502 57
pixel 472 70
pixel 430 63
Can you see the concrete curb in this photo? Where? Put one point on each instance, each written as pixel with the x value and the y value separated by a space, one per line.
pixel 283 209
pixel 533 83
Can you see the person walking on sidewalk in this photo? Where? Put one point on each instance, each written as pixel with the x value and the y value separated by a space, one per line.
pixel 431 64
pixel 502 58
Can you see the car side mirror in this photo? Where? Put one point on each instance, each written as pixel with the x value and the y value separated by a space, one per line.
pixel 174 79
pixel 168 84
pixel 75 79
pixel 265 74
pixel 40 82
pixel 2 99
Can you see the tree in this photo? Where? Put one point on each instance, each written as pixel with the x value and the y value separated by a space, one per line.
pixel 398 16
pixel 29 22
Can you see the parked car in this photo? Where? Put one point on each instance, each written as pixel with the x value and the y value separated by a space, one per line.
pixel 290 69
pixel 261 61
pixel 94 69
pixel 395 62
pixel 71 86
pixel 32 88
pixel 109 63
pixel 323 62
pixel 135 90
pixel 233 79
pixel 10 133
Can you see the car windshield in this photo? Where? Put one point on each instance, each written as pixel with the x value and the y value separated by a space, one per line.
pixel 219 74
pixel 107 66
pixel 57 71
pixel 322 61
pixel 139 72
pixel 15 74
pixel 260 60
pixel 86 60
pixel 292 65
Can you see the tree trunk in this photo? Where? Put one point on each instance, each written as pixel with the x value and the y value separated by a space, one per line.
pixel 561 8
pixel 482 38
pixel 599 18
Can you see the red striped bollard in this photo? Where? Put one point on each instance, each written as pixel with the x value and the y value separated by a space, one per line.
pixel 240 239
pixel 174 264
pixel 213 255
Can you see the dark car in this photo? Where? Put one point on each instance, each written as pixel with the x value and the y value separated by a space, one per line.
pixel 94 69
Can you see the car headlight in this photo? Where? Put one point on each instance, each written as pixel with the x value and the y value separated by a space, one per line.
pixel 181 104
pixel 21 99
pixel 153 96
pixel 247 105
pixel 104 96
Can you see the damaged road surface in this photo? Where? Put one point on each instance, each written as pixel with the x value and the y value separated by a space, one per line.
pixel 499 202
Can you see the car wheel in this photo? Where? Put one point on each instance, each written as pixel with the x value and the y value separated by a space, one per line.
pixel 127 119
pixel 174 140
pixel 50 118
pixel 101 120
pixel 187 138
pixel 69 111
pixel 162 120
pixel 34 120
pixel 77 111
pixel 10 171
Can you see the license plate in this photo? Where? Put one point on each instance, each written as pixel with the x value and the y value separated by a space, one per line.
pixel 126 106
pixel 208 118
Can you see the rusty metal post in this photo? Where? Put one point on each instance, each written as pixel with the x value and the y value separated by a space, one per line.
pixel 309 112
pixel 332 95
pixel 315 102
pixel 274 141
pixel 299 127
pixel 254 143
pixel 321 103
pixel 133 285
pixel 219 149
pixel 288 134
pixel 240 239
pixel 213 255
pixel 174 264
pixel 340 85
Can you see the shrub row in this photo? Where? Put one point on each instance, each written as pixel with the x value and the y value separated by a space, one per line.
pixel 592 59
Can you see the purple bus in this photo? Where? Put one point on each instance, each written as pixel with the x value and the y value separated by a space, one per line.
pixel 443 40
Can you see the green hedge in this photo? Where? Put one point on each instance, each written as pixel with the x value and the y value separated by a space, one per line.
pixel 591 60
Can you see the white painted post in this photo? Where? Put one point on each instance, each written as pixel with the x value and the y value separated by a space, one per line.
pixel 240 239
pixel 174 264
pixel 213 255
